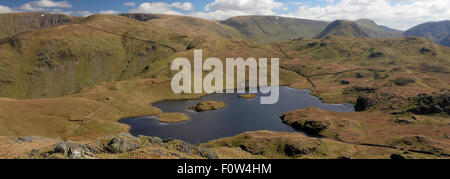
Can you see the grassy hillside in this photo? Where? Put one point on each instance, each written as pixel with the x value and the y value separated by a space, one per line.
pixel 58 61
pixel 345 29
pixel 14 23
pixel 435 31
pixel 97 70
pixel 188 25
pixel 374 63
pixel 267 29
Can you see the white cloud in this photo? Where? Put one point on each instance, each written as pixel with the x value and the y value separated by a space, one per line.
pixel 60 11
pixel 29 7
pixel 5 9
pixel 222 9
pixel 84 13
pixel 109 12
pixel 50 3
pixel 162 8
pixel 400 14
pixel 244 5
pixel 129 4
pixel 186 6
pixel 41 5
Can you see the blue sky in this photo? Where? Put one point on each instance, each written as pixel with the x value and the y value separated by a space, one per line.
pixel 400 14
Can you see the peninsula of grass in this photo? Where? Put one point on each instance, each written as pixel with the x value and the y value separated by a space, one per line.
pixel 173 117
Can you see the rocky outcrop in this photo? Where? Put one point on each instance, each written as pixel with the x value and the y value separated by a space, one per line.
pixel 363 103
pixel 428 104
pixel 14 23
pixel 420 144
pixel 74 150
pixel 190 149
pixel 312 126
pixel 208 106
pixel 281 145
pixel 121 145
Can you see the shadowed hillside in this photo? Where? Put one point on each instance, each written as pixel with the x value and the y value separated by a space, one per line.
pixel 11 24
pixel 343 28
pixel 376 31
pixel 274 29
pixel 435 31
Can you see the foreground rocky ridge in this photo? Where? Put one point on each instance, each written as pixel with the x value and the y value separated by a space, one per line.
pixel 250 145
pixel 120 146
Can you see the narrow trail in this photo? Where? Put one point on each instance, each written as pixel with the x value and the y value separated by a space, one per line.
pixel 135 38
pixel 124 36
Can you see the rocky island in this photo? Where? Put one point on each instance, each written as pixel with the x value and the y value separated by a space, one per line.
pixel 247 96
pixel 208 106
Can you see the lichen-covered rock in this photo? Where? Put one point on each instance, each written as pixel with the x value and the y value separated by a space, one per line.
pixel 121 145
pixel 208 106
pixel 153 140
pixel 75 150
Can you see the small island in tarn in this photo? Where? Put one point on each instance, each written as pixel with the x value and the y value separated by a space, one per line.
pixel 173 117
pixel 208 106
pixel 247 96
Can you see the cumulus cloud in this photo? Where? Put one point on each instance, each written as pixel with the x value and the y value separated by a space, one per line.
pixel 60 11
pixel 400 14
pixel 109 12
pixel 129 4
pixel 84 13
pixel 163 8
pixel 5 9
pixel 186 6
pixel 41 5
pixel 222 9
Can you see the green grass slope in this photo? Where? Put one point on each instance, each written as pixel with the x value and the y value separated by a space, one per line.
pixel 62 60
pixel 14 23
pixel 268 29
pixel 188 25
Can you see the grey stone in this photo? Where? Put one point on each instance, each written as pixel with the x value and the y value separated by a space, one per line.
pixel 121 145
pixel 75 150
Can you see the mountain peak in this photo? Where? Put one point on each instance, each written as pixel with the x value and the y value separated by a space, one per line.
pixel 343 28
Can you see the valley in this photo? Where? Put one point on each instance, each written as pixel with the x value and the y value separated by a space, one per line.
pixel 74 78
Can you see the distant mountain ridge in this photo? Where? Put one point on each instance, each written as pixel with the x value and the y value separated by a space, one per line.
pixel 15 23
pixel 268 29
pixel 436 31
pixel 363 28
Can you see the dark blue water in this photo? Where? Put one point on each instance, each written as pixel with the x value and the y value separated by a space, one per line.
pixel 240 115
